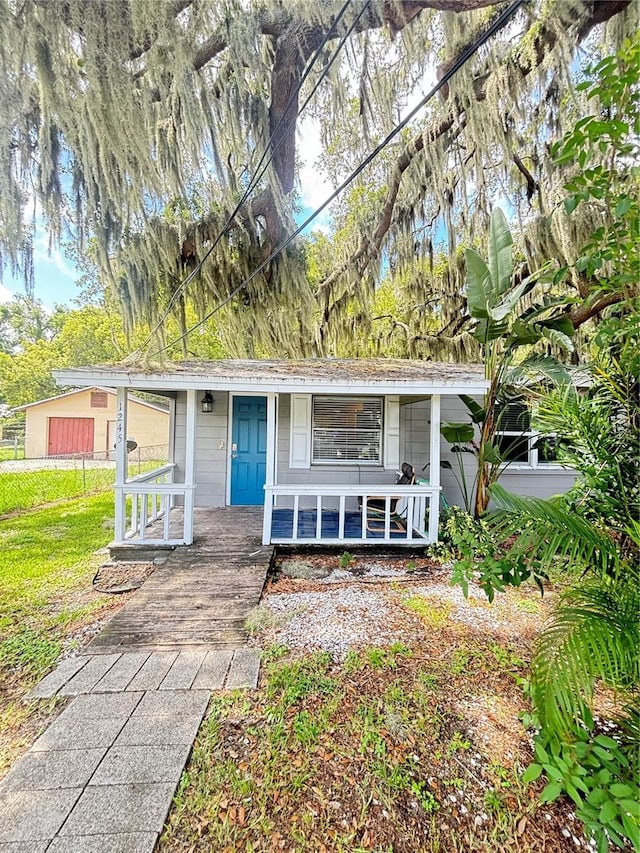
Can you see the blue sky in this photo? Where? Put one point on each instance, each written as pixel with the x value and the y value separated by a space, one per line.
pixel 54 276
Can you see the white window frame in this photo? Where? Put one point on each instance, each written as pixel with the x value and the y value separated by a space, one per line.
pixel 532 436
pixel 339 399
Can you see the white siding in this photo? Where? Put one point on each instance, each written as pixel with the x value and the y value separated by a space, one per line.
pixel 212 454
pixel 211 449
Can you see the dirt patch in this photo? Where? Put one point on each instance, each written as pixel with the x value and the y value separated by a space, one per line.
pixel 116 577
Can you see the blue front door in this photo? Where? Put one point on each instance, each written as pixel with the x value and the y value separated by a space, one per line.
pixel 248 450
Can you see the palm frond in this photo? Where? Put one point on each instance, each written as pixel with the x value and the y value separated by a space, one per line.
pixel 549 532
pixel 593 636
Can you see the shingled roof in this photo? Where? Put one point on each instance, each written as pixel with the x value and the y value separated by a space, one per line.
pixel 285 375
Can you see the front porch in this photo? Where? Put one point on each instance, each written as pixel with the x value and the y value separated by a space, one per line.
pixel 292 514
pixel 314 446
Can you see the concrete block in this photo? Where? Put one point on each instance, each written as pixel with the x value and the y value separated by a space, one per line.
pixel 25 817
pixel 183 671
pixel 24 846
pixel 100 706
pixel 50 684
pixel 172 702
pixel 153 671
pixel 43 770
pixel 121 672
pixel 79 734
pixel 214 668
pixel 155 731
pixel 244 669
pixel 120 842
pixel 129 808
pixel 123 764
pixel 89 675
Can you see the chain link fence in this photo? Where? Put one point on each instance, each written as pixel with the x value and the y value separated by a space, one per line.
pixel 29 483
pixel 11 448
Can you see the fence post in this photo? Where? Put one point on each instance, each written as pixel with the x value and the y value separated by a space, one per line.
pixel 15 446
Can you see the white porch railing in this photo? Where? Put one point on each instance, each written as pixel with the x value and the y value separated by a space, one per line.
pixel 146 499
pixel 419 514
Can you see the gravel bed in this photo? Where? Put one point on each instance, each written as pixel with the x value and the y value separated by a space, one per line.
pixel 334 620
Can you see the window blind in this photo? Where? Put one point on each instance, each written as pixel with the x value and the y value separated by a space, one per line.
pixel 347 429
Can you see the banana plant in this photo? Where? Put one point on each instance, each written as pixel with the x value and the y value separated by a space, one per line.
pixel 493 300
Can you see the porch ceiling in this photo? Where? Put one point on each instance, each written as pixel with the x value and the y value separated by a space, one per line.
pixel 316 375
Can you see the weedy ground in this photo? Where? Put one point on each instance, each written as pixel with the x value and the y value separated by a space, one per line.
pixel 412 747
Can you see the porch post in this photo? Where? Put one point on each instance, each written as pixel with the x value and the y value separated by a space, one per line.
pixel 189 467
pixel 434 467
pixel 271 465
pixel 121 462
pixel 171 448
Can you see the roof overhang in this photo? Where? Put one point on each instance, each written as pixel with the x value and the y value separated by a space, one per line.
pixel 312 376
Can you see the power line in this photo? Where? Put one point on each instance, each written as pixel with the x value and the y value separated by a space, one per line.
pixel 270 149
pixel 497 25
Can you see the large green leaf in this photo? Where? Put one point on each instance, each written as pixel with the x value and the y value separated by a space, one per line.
pixel 456 433
pixel 523 334
pixel 474 408
pixel 538 368
pixel 491 454
pixel 506 306
pixel 500 255
pixel 479 286
pixel 560 339
pixel 488 330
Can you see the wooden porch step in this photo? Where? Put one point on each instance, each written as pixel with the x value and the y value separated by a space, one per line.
pixel 199 597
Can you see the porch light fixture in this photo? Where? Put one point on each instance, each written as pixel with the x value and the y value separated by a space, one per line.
pixel 207 402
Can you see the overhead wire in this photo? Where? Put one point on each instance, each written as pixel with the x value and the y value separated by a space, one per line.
pixel 268 153
pixel 497 25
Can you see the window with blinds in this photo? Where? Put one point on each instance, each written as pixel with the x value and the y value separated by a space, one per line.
pixel 515 439
pixel 512 433
pixel 347 430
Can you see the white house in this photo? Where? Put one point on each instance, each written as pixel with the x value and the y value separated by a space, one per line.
pixel 311 441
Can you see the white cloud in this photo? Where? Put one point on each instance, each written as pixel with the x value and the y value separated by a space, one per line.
pixel 54 259
pixel 5 294
pixel 315 188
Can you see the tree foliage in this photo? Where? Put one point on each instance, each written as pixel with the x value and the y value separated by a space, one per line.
pixel 141 123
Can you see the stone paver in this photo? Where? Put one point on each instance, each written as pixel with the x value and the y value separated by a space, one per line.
pixel 24 847
pixel 155 731
pixel 25 817
pixel 124 764
pixel 121 673
pixel 89 675
pixel 51 683
pixel 176 702
pixel 153 671
pixel 39 771
pixel 129 808
pixel 244 669
pixel 100 706
pixel 183 671
pixel 122 842
pixel 79 734
pixel 214 668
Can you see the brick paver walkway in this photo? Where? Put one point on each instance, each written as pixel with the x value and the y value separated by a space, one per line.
pixel 102 776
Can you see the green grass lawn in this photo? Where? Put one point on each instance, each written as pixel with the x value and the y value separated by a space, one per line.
pixel 25 489
pixel 7 453
pixel 47 563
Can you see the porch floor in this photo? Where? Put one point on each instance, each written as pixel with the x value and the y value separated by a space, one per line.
pixel 282 525
pixel 201 596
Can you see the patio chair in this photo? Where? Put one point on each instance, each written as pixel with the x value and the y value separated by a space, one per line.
pixel 376 506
